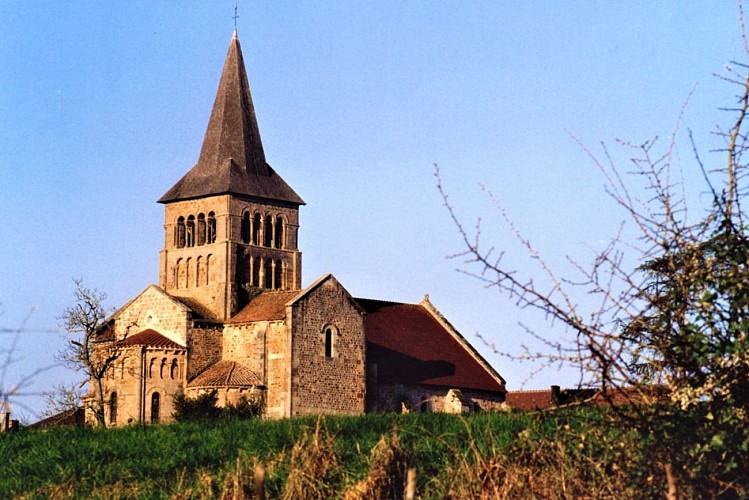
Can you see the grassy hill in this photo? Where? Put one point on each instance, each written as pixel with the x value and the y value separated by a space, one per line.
pixel 553 455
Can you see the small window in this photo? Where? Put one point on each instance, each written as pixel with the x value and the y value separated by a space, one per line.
pixel 201 230
pixel 329 341
pixel 190 232
pixel 179 235
pixel 268 230
pixel 278 278
pixel 268 274
pixel 211 228
pixel 151 367
pixel 155 407
pixel 279 232
pixel 174 371
pixel 113 408
pixel 246 227
pixel 256 229
pixel 162 368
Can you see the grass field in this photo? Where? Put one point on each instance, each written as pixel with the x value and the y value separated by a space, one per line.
pixel 489 455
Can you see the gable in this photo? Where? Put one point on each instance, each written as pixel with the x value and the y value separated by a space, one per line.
pixel 411 345
pixel 155 310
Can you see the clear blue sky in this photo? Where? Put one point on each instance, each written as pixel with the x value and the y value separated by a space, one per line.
pixel 103 106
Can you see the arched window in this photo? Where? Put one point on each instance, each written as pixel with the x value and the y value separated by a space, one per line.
pixel 256 272
pixel 151 367
pixel 268 228
pixel 211 228
pixel 177 271
pixel 208 262
pixel 425 406
pixel 278 278
pixel 246 227
pixel 279 232
pixel 162 368
pixel 329 341
pixel 155 407
pixel 190 231
pixel 199 271
pixel 113 408
pixel 179 235
pixel 268 274
pixel 174 371
pixel 256 229
pixel 201 230
pixel 188 272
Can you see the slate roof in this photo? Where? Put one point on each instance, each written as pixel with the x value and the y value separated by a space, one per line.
pixel 232 159
pixel 226 374
pixel 410 346
pixel 151 338
pixel 268 306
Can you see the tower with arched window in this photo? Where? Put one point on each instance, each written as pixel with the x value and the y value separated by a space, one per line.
pixel 231 222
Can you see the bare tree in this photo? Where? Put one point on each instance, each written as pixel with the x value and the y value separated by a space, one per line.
pixel 669 309
pixel 92 347
pixel 62 398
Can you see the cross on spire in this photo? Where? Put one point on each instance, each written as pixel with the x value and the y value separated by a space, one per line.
pixel 236 16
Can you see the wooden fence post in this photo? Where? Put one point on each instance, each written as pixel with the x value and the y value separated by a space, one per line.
pixel 259 482
pixel 411 484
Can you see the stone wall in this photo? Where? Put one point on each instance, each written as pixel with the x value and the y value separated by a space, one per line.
pixel 278 369
pixel 323 384
pixel 396 397
pixel 153 309
pixel 205 347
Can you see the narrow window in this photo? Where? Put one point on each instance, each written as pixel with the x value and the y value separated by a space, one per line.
pixel 174 371
pixel 268 274
pixel 256 229
pixel 246 227
pixel 199 271
pixel 155 407
pixel 179 236
pixel 162 368
pixel 177 271
pixel 256 272
pixel 329 342
pixel 190 231
pixel 201 230
pixel 268 228
pixel 113 408
pixel 279 232
pixel 189 272
pixel 278 281
pixel 211 228
pixel 151 367
pixel 208 261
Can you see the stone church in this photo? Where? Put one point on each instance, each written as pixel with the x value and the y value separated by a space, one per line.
pixel 230 314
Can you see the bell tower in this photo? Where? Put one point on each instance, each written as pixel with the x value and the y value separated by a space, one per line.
pixel 231 222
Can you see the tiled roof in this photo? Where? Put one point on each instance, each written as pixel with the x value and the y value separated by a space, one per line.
pixel 232 159
pixel 529 400
pixel 73 416
pixel 226 374
pixel 151 338
pixel 409 345
pixel 268 306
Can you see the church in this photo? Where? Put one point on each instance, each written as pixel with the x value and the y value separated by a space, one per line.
pixel 230 314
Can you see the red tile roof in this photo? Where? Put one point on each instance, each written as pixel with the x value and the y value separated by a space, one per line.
pixel 151 338
pixel 529 400
pixel 267 306
pixel 226 374
pixel 410 345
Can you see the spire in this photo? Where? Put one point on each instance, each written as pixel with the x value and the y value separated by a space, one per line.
pixel 232 159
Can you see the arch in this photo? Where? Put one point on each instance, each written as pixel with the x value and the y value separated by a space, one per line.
pixel 177 272
pixel 174 370
pixel 113 408
pixel 199 271
pixel 162 368
pixel 179 234
pixel 200 235
pixel 256 229
pixel 208 264
pixel 151 367
pixel 155 407
pixel 256 263
pixel 268 231
pixel 189 272
pixel 280 230
pixel 268 274
pixel 211 228
pixel 278 277
pixel 329 332
pixel 246 223
pixel 425 405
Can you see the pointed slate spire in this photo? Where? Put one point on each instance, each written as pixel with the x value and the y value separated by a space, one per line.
pixel 232 159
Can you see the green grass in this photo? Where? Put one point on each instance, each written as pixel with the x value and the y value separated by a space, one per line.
pixel 192 460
